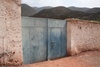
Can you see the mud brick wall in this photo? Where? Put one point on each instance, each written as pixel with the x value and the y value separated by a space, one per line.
pixel 82 36
pixel 10 32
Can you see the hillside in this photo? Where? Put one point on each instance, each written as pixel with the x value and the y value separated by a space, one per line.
pixel 95 16
pixel 93 10
pixel 38 9
pixel 59 13
pixel 79 9
pixel 56 12
pixel 63 13
pixel 27 10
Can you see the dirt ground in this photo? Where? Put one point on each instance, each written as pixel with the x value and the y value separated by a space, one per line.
pixel 85 59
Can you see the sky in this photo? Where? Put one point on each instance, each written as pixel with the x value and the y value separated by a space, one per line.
pixel 66 3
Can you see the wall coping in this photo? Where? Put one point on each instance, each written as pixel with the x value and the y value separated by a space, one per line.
pixel 74 20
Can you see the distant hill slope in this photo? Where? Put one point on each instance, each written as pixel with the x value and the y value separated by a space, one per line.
pixel 95 16
pixel 56 12
pixel 59 13
pixel 78 9
pixel 27 10
pixel 63 13
pixel 93 10
pixel 38 9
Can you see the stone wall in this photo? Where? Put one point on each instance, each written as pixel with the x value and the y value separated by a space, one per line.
pixel 10 32
pixel 83 36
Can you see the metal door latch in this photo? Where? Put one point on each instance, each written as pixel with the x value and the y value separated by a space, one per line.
pixel 52 44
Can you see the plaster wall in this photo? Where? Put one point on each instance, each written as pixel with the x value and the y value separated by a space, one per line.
pixel 83 36
pixel 10 32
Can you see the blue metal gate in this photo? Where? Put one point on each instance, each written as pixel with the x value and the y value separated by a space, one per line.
pixel 56 38
pixel 43 39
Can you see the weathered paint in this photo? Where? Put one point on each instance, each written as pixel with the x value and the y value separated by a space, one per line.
pixel 38 38
pixel 56 38
pixel 34 39
pixel 38 34
pixel 54 43
pixel 26 42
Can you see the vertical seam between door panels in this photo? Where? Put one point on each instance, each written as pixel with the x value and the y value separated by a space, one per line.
pixel 47 40
pixel 61 41
pixel 30 46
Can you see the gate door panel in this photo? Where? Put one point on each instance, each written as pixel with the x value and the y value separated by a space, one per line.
pixel 38 42
pixel 56 39
pixel 26 46
pixel 34 31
